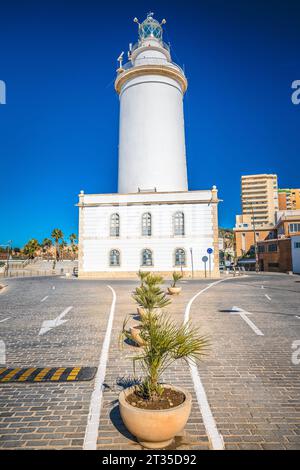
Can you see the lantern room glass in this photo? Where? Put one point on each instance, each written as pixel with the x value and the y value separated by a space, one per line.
pixel 150 28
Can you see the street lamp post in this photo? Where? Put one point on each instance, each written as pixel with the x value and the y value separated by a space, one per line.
pixel 255 239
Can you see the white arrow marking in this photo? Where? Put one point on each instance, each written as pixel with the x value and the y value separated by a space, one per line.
pixel 58 321
pixel 5 319
pixel 45 298
pixel 243 314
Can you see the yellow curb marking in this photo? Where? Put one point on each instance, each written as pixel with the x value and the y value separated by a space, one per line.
pixel 26 374
pixel 42 374
pixel 74 373
pixel 58 373
pixel 10 375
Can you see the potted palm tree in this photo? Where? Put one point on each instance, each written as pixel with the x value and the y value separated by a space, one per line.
pixel 174 289
pixel 151 300
pixel 142 276
pixel 149 282
pixel 153 411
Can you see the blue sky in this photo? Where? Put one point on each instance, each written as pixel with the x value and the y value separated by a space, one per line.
pixel 59 128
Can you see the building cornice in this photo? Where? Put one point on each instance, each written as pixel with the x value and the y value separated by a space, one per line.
pixel 150 69
pixel 148 203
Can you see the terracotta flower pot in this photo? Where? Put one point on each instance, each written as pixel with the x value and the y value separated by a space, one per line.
pixel 174 290
pixel 135 333
pixel 143 314
pixel 155 429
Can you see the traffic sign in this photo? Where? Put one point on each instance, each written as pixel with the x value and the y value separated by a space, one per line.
pixel 210 251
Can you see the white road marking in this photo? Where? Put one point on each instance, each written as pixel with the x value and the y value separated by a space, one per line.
pixel 91 432
pixel 297 317
pixel 268 297
pixel 212 431
pixel 243 314
pixel 50 324
pixel 4 319
pixel 261 287
pixel 53 287
pixel 45 298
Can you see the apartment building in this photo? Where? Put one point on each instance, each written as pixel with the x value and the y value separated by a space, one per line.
pixel 260 198
pixel 289 199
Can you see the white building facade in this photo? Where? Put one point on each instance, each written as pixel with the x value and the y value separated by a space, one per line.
pixel 153 222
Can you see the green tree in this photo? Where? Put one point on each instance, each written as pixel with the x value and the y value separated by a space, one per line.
pixel 62 247
pixel 46 245
pixel 57 235
pixel 30 248
pixel 73 239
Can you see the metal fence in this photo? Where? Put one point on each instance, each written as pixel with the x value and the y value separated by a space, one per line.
pixel 35 273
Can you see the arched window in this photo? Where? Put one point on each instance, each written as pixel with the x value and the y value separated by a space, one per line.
pixel 114 258
pixel 180 257
pixel 179 223
pixel 115 225
pixel 146 225
pixel 147 258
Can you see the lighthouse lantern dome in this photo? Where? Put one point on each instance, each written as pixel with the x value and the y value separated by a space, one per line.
pixel 150 28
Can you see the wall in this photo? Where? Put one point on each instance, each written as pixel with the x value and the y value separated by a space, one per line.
pixel 282 257
pixel 244 243
pixel 201 232
pixel 295 254
pixel 151 137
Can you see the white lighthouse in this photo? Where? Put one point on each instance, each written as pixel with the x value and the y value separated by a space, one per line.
pixel 153 222
pixel 152 141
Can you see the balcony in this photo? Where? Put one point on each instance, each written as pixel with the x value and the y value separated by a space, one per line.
pixel 151 61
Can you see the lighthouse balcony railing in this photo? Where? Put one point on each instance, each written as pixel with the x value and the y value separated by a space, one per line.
pixel 138 44
pixel 152 61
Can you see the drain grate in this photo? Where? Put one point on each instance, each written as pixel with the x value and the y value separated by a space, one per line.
pixel 47 374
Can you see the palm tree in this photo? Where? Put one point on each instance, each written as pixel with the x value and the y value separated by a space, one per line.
pixel 62 247
pixel 46 245
pixel 57 235
pixel 73 239
pixel 31 247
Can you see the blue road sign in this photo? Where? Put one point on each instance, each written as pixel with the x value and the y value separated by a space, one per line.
pixel 210 251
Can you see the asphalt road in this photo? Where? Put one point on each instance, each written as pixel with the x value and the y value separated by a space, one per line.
pixel 251 383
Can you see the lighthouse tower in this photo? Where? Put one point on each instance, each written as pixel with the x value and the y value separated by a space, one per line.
pixel 151 88
pixel 153 223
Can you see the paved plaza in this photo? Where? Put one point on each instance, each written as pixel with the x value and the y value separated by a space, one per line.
pixel 249 379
